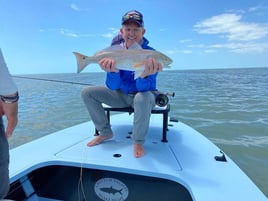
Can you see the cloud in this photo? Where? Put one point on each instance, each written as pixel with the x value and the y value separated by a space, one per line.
pixel 197 46
pixel 210 51
pixel 185 41
pixel 186 51
pixel 259 9
pixel 171 51
pixel 111 33
pixel 231 26
pixel 107 35
pixel 176 51
pixel 249 47
pixel 254 8
pixel 235 47
pixel 74 7
pixel 70 33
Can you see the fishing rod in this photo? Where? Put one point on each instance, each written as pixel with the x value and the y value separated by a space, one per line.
pixel 172 94
pixel 161 98
pixel 51 80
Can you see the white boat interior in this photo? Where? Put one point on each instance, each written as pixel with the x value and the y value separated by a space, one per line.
pixel 188 167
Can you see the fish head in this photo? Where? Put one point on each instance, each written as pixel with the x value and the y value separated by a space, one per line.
pixel 164 59
pixel 167 61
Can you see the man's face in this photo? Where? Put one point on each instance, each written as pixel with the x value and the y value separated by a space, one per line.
pixel 132 33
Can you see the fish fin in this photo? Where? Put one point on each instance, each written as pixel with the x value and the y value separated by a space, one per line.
pixel 110 49
pixel 138 65
pixel 139 68
pixel 135 46
pixel 81 63
pixel 138 73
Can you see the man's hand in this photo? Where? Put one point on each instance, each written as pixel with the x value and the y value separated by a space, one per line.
pixel 151 67
pixel 108 65
pixel 10 110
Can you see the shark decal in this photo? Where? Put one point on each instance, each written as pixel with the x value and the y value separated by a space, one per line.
pixel 111 189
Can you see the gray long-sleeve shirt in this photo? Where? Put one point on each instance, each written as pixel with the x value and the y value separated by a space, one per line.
pixel 7 85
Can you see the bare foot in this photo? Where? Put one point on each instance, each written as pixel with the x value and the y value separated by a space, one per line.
pixel 99 139
pixel 138 150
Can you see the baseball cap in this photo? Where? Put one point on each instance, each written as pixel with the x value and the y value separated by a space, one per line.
pixel 133 16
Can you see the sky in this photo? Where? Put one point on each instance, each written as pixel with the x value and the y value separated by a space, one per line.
pixel 39 36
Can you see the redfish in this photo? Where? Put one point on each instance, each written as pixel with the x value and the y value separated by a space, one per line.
pixel 125 59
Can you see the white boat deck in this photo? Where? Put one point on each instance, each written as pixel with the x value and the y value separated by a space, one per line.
pixel 187 158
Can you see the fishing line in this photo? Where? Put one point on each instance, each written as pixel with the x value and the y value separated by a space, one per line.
pixel 80 181
pixel 51 80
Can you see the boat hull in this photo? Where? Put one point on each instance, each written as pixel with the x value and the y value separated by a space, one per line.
pixel 60 166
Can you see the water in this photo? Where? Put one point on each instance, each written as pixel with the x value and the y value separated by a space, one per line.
pixel 228 106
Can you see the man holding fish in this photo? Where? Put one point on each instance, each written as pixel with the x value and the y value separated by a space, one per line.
pixel 125 87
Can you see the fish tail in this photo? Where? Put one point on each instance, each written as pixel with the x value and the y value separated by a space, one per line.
pixel 82 61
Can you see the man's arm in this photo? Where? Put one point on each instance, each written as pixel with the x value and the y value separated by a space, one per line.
pixel 8 97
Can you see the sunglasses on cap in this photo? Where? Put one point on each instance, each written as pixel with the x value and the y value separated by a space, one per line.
pixel 132 16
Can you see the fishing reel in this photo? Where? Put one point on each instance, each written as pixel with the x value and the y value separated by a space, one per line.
pixel 161 99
